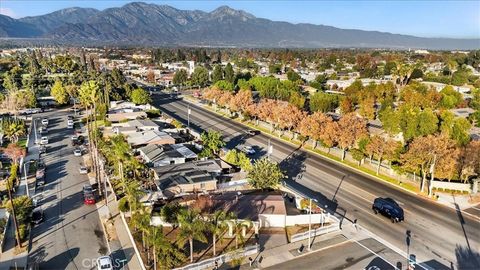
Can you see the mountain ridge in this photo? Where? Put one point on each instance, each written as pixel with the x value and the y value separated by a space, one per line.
pixel 145 24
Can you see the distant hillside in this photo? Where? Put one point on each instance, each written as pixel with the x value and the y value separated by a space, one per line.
pixel 149 24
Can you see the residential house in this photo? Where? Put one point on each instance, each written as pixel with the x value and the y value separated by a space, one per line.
pixel 197 176
pixel 162 155
pixel 142 138
pixel 143 124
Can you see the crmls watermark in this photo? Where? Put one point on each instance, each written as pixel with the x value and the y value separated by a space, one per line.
pixel 91 263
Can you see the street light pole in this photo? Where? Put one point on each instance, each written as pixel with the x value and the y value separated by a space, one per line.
pixel 310 226
pixel 188 117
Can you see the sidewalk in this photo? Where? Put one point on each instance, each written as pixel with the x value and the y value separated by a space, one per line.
pixel 8 259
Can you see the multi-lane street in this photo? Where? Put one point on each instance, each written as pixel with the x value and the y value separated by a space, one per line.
pixel 441 236
pixel 71 236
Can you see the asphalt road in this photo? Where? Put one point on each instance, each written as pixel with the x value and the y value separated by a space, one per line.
pixel 365 254
pixel 441 236
pixel 71 236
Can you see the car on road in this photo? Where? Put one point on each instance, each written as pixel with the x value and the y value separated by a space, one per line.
pixel 44 140
pixel 74 137
pixel 40 174
pixel 37 215
pixel 69 123
pixel 42 149
pixel 104 263
pixel 389 208
pixel 77 152
pixel 252 132
pixel 83 170
pixel 45 121
pixel 247 149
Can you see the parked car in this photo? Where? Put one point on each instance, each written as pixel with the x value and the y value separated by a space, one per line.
pixel 69 117
pixel 252 132
pixel 37 215
pixel 87 189
pixel 43 130
pixel 389 208
pixel 74 137
pixel 45 121
pixel 89 198
pixel 83 170
pixel 104 263
pixel 77 152
pixel 37 200
pixel 44 140
pixel 42 149
pixel 248 150
pixel 40 174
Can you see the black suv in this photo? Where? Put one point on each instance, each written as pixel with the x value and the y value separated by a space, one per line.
pixel 389 208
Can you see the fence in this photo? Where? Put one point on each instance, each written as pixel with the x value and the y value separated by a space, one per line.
pixel 210 263
pixel 452 186
pixel 7 223
pixel 282 221
pixel 232 184
pixel 323 230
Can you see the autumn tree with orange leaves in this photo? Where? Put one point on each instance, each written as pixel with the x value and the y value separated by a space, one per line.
pixel 350 129
pixel 14 152
pixel 381 147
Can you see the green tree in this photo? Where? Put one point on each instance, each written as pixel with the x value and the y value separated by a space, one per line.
pixel 322 102
pixel 264 174
pixel 199 77
pixel 140 96
pixel 180 77
pixel 450 97
pixel 217 74
pixel 293 76
pixel 192 227
pixel 357 155
pixel 229 73
pixel 218 226
pixel 59 93
pixel 455 128
pixel 164 252
pixel 224 85
pixel 212 142
pixel 238 158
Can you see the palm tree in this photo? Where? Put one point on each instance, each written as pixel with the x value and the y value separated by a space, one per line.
pixel 192 227
pixel 132 194
pixel 163 250
pixel 218 226
pixel 141 222
pixel 14 130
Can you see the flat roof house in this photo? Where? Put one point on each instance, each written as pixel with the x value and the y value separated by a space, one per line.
pixel 143 124
pixel 143 138
pixel 162 155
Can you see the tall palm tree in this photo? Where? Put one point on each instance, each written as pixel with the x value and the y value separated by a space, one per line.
pixel 132 194
pixel 163 250
pixel 192 227
pixel 218 226
pixel 141 222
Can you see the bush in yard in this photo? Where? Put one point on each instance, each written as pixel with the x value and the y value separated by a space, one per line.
pixel 265 174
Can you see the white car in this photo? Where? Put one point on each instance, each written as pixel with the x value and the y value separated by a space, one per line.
pixel 45 121
pixel 83 170
pixel 77 152
pixel 248 150
pixel 44 140
pixel 104 263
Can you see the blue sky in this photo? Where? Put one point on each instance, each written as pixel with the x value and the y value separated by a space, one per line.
pixel 460 19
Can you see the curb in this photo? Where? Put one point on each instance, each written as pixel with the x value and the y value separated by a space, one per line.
pixel 373 177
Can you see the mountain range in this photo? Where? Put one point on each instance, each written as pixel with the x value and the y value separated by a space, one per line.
pixel 145 24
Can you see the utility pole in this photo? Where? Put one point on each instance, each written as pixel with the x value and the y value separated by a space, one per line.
pixel 310 226
pixel 269 149
pixel 35 129
pixel 26 178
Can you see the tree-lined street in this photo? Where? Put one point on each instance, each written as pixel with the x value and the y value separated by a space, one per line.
pixel 350 193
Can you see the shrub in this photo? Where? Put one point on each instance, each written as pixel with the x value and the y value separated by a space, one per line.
pixel 123 205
